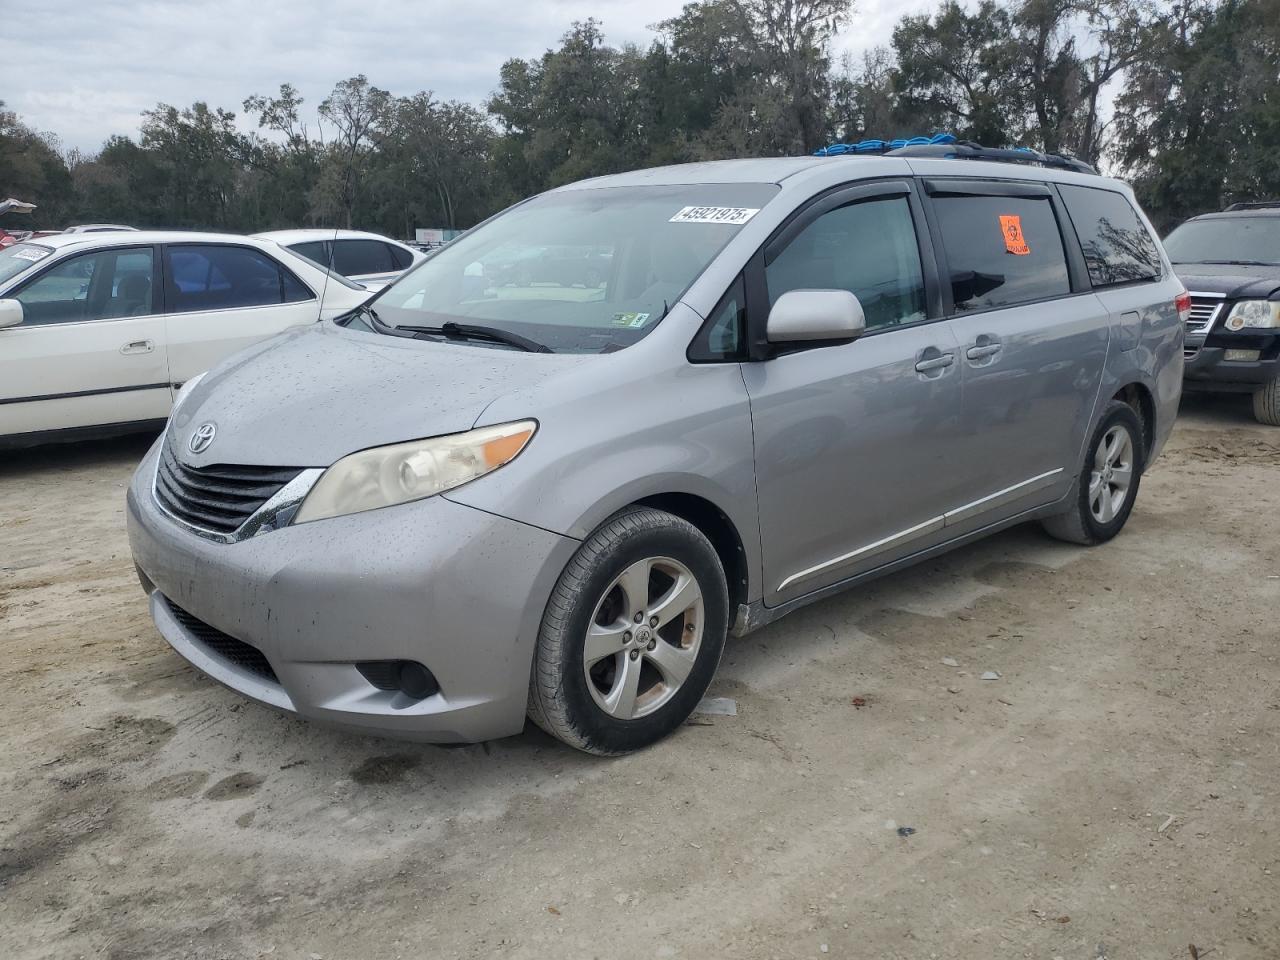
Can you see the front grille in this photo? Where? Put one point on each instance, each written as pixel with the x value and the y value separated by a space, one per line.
pixel 233 651
pixel 218 498
pixel 1204 311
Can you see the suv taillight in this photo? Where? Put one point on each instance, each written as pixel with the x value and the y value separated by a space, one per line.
pixel 1182 302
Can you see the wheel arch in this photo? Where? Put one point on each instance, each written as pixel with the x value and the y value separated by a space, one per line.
pixel 1138 396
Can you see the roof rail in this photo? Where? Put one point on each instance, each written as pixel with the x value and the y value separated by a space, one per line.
pixel 1254 205
pixel 946 146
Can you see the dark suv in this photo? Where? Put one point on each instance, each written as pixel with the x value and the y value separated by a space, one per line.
pixel 1230 264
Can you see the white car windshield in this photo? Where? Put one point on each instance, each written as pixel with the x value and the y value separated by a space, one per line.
pixel 20 257
pixel 582 271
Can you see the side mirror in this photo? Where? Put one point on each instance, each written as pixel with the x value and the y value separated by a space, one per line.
pixel 815 315
pixel 10 313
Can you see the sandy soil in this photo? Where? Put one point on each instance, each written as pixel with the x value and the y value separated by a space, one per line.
pixel 147 812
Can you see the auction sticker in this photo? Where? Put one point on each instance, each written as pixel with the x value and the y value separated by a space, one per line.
pixel 630 319
pixel 732 215
pixel 1014 241
pixel 30 253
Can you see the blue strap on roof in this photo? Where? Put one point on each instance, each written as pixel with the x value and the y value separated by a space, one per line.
pixel 883 146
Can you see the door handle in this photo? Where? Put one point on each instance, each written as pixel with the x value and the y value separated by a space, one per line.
pixel 138 346
pixel 935 363
pixel 983 351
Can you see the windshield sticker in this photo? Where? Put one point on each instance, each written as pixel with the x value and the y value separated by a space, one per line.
pixel 1014 241
pixel 30 253
pixel 630 319
pixel 731 215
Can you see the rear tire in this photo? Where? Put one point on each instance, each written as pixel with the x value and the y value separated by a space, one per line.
pixel 631 636
pixel 1108 481
pixel 1266 403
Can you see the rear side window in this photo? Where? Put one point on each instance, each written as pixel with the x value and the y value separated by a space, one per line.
pixel 1117 247
pixel 1001 251
pixel 353 258
pixel 868 248
pixel 226 277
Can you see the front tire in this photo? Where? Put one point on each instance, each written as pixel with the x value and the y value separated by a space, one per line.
pixel 1266 403
pixel 1108 482
pixel 631 636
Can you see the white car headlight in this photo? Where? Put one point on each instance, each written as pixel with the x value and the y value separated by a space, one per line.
pixel 412 471
pixel 1254 313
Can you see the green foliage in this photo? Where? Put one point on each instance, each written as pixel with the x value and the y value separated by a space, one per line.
pixel 1180 97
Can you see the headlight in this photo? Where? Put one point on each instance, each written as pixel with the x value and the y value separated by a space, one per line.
pixel 1254 313
pixel 185 390
pixel 412 471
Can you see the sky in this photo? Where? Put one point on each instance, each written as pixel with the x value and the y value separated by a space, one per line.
pixel 86 69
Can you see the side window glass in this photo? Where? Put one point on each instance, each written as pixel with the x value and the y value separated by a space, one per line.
pixel 131 287
pixel 724 335
pixel 868 248
pixel 295 291
pixel 221 278
pixel 1001 250
pixel 357 257
pixel 1116 243
pixel 400 257
pixel 61 294
pixel 312 250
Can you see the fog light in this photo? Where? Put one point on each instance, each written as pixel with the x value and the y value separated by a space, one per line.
pixel 1246 356
pixel 404 676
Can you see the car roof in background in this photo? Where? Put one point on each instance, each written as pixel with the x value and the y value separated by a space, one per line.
pixel 320 233
pixel 1238 214
pixel 109 238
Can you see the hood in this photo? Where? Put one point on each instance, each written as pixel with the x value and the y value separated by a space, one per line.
pixel 1236 281
pixel 315 394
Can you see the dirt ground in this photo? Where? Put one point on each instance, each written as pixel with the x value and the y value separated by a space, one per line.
pixel 1112 795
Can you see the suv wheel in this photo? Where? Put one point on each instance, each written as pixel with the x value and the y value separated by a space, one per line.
pixel 1266 403
pixel 1108 482
pixel 631 636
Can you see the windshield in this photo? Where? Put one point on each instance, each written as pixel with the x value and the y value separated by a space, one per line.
pixel 1226 240
pixel 19 257
pixel 583 271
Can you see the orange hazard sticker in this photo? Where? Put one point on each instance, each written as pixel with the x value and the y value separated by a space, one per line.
pixel 1014 241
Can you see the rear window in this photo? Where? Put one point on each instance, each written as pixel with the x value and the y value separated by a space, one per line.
pixel 1117 246
pixel 1001 251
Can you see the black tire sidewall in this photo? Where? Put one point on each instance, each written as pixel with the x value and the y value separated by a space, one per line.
pixel 608 734
pixel 1120 413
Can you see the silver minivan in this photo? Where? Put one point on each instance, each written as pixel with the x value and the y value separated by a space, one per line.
pixel 551 469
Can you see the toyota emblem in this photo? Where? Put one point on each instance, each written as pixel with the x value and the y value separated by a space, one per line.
pixel 202 437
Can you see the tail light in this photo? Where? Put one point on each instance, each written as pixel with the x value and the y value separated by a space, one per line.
pixel 1182 303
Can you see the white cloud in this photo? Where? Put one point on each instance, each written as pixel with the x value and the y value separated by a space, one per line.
pixel 86 70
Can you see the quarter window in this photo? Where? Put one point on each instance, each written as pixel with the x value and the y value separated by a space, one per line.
pixel 868 248
pixel 723 336
pixel 107 285
pixel 227 277
pixel 1001 251
pixel 313 250
pixel 1117 246
pixel 402 257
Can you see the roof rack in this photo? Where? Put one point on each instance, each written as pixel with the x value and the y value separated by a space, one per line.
pixel 946 146
pixel 1254 205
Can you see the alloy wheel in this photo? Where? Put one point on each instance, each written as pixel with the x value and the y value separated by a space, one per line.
pixel 1112 474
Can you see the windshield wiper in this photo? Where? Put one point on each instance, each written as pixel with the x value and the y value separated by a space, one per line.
pixel 1239 263
pixel 472 331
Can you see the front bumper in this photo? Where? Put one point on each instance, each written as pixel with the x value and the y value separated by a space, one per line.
pixel 1207 369
pixel 454 588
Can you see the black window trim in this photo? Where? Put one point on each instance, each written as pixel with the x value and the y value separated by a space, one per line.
pixel 165 267
pixel 157 300
pixel 1077 274
pixel 1160 275
pixel 757 292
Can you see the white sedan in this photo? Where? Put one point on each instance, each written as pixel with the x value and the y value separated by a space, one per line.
pixel 98 331
pixel 367 258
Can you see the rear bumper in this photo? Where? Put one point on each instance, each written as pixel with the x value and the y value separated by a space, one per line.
pixel 454 588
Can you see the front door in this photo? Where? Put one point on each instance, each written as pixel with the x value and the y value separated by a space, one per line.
pixel 858 448
pixel 90 350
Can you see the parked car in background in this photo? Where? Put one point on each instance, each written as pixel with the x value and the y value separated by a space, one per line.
pixel 1230 263
pixel 98 331
pixel 97 228
pixel 10 235
pixel 530 494
pixel 367 258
